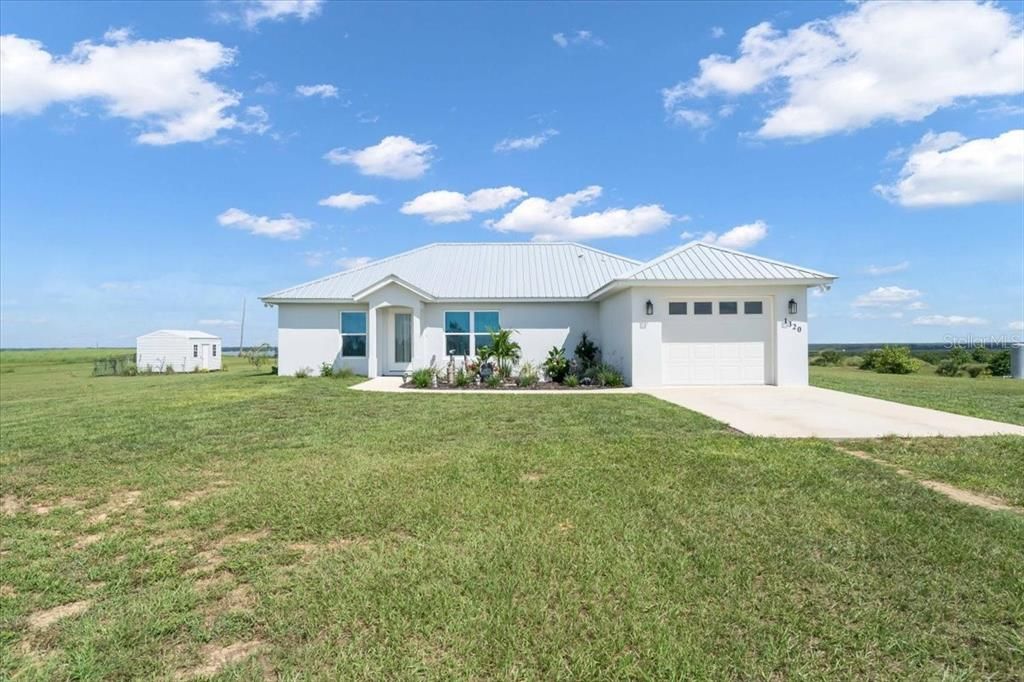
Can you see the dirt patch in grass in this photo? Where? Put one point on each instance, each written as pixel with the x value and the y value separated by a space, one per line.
pixel 86 540
pixel 208 582
pixel 41 620
pixel 174 535
pixel 215 657
pixel 117 503
pixel 531 477
pixel 209 560
pixel 10 505
pixel 237 538
pixel 197 495
pixel 566 526
pixel 8 591
pixel 241 598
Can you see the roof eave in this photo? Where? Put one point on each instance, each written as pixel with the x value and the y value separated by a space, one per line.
pixel 617 284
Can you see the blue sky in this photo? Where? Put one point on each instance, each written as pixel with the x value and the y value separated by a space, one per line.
pixel 175 161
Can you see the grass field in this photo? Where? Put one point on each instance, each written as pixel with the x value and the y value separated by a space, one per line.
pixel 243 525
pixel 987 397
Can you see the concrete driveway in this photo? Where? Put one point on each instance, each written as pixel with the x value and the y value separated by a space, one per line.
pixel 806 411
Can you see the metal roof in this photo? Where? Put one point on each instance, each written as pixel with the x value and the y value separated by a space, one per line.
pixel 701 261
pixel 528 270
pixel 184 333
pixel 524 270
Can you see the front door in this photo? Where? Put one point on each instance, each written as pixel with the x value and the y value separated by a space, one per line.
pixel 206 355
pixel 400 356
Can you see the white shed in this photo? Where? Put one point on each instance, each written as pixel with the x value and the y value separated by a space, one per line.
pixel 182 349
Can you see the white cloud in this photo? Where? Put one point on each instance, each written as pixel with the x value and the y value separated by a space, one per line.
pixel 395 156
pixel 739 237
pixel 513 144
pixel 717 32
pixel 218 323
pixel 886 296
pixel 160 84
pixel 1017 325
pixel 917 305
pixel 323 90
pixel 349 200
pixel 350 262
pixel 691 117
pixel 257 121
pixel 252 13
pixel 949 321
pixel 897 61
pixel 887 269
pixel 577 38
pixel 553 219
pixel 452 207
pixel 948 170
pixel 285 227
pixel 861 315
pixel 117 35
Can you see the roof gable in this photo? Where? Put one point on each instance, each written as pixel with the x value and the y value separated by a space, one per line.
pixel 702 261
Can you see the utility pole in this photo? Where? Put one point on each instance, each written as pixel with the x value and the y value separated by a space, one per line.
pixel 241 330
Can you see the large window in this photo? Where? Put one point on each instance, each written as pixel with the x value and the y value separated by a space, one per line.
pixel 353 335
pixel 466 333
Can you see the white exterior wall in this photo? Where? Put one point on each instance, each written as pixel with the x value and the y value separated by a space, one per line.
pixel 309 334
pixel 786 359
pixel 539 326
pixel 159 351
pixel 616 338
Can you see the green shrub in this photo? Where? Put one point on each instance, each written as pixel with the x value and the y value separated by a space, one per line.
pixel 829 357
pixel 493 381
pixel 999 363
pixel 975 369
pixel 326 369
pixel 870 359
pixel 604 374
pixel 302 372
pixel 527 376
pixel 504 350
pixel 572 381
pixel 852 361
pixel 423 377
pixel 462 378
pixel 169 369
pixel 586 353
pixel 981 355
pixel 948 368
pixel 557 365
pixel 959 355
pixel 895 360
pixel 344 373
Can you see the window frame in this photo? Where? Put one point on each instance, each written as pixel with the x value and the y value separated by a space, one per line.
pixel 709 304
pixel 214 350
pixel 685 304
pixel 472 331
pixel 736 310
pixel 342 333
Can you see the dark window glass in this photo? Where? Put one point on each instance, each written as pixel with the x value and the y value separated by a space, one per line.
pixel 458 343
pixel 353 323
pixel 677 308
pixel 195 351
pixel 456 322
pixel 752 307
pixel 484 322
pixel 702 308
pixel 353 346
pixel 481 340
pixel 214 350
pixel 727 308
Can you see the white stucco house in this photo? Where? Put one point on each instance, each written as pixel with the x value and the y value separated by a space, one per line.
pixel 699 314
pixel 182 350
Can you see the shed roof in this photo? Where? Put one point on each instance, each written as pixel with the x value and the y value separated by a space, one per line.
pixel 183 333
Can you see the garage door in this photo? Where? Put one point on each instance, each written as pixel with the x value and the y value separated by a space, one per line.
pixel 716 342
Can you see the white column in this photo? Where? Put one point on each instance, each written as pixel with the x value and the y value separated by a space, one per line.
pixel 417 342
pixel 371 343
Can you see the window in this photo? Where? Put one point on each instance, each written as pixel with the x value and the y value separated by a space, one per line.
pixel 466 333
pixel 214 350
pixel 195 350
pixel 677 308
pixel 353 335
pixel 727 307
pixel 702 308
pixel 752 307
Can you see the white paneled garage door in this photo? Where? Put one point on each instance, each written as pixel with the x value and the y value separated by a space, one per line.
pixel 717 347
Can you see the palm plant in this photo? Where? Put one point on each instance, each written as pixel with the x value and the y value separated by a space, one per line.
pixel 503 350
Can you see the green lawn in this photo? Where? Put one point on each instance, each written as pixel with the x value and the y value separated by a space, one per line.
pixel 987 397
pixel 994 466
pixel 308 530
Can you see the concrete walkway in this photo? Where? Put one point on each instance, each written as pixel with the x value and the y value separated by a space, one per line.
pixel 806 411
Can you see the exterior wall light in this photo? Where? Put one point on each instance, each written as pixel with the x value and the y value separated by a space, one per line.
pixel 792 306
pixel 649 307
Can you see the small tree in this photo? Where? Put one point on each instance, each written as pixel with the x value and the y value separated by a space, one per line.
pixel 503 350
pixel 587 353
pixel 895 360
pixel 557 365
pixel 999 363
pixel 258 355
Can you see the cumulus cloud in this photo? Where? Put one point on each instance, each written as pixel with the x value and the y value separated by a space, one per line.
pixel 285 227
pixel 549 220
pixel 514 144
pixel 452 207
pixel 879 61
pixel 349 200
pixel 395 157
pixel 577 38
pixel 887 269
pixel 251 13
pixel 350 262
pixel 739 237
pixel 323 90
pixel 947 169
pixel 886 296
pixel 717 32
pixel 162 84
pixel 949 321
